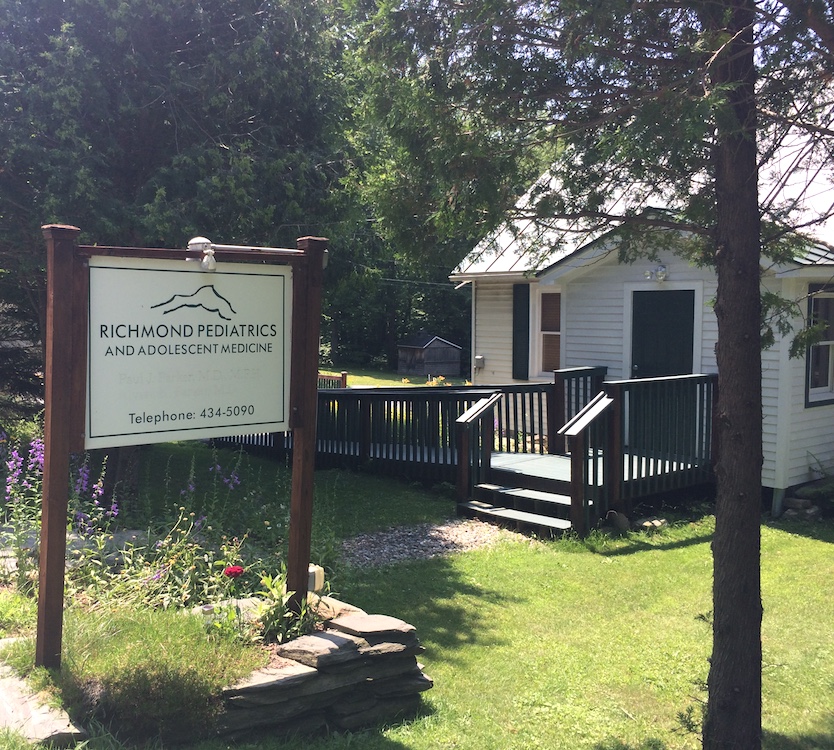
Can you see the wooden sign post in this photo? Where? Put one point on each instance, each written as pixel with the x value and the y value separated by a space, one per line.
pixel 64 356
pixel 307 284
pixel 85 342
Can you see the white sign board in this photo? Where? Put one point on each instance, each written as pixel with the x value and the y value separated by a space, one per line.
pixel 178 353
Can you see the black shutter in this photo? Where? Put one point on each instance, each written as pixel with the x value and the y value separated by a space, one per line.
pixel 521 331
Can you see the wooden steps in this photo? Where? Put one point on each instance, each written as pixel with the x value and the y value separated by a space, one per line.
pixel 518 518
pixel 522 507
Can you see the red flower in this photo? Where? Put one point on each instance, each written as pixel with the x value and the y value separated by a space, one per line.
pixel 233 571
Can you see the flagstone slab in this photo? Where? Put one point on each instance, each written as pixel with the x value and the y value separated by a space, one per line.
pixel 22 711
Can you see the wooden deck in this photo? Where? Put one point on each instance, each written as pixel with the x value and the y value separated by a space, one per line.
pixel 543 466
pixel 533 491
pixel 557 467
pixel 637 438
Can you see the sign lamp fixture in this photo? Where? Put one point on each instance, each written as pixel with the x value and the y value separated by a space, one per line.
pixel 207 248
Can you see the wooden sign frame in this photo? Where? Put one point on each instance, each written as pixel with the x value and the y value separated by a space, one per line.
pixel 65 394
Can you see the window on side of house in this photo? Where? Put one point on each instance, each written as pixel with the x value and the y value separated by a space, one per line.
pixel 820 384
pixel 551 330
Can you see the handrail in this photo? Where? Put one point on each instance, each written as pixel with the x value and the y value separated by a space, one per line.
pixel 479 408
pixel 698 377
pixel 631 439
pixel 592 410
pixel 475 440
pixel 588 443
pixel 332 381
pixel 664 426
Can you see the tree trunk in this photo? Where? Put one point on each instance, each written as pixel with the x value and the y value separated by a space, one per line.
pixel 733 718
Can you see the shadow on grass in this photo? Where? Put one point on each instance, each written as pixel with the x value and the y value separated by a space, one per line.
pixel 448 609
pixel 822 531
pixel 371 738
pixel 770 741
pixel 634 544
pixel 822 740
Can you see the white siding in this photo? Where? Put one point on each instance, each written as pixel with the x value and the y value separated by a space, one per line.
pixel 804 437
pixel 598 312
pixel 771 366
pixel 596 331
pixel 493 331
pixel 811 440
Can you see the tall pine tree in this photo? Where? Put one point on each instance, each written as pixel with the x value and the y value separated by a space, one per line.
pixel 625 103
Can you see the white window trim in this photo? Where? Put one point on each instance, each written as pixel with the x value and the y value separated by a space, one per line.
pixel 820 394
pixel 536 333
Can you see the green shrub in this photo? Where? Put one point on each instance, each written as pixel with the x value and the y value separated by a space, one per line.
pixel 278 622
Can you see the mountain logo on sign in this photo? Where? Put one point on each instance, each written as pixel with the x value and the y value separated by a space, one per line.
pixel 206 297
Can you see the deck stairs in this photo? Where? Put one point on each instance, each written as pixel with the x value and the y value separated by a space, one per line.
pixel 525 496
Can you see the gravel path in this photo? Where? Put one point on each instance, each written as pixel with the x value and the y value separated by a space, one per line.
pixel 421 542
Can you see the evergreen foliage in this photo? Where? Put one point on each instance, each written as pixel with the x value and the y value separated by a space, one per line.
pixel 147 124
pixel 718 112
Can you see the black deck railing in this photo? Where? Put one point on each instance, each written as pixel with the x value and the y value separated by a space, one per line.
pixel 635 438
pixel 575 389
pixel 664 427
pixel 411 431
pixel 475 443
pixel 404 431
pixel 590 445
pixel 639 438
pixel 408 432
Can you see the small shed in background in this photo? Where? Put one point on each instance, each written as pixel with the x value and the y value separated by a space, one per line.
pixel 425 354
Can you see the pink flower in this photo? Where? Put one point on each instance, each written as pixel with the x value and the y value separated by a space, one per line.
pixel 233 571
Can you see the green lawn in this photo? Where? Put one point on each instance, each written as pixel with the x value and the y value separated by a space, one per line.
pixel 385 379
pixel 597 645
pixel 555 645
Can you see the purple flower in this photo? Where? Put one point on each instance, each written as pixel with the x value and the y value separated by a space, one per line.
pixel 232 481
pixel 36 456
pixel 82 483
pixel 14 466
pixel 159 573
pixel 190 489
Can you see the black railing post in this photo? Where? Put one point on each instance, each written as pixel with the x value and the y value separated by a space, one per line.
pixel 614 454
pixel 464 468
pixel 364 430
pixel 713 443
pixel 487 431
pixel 556 413
pixel 597 380
pixel 578 448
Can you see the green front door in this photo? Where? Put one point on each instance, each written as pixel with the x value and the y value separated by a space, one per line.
pixel 662 337
pixel 662 333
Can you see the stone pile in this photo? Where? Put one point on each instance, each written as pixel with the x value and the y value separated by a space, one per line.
pixel 812 501
pixel 801 507
pixel 360 670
